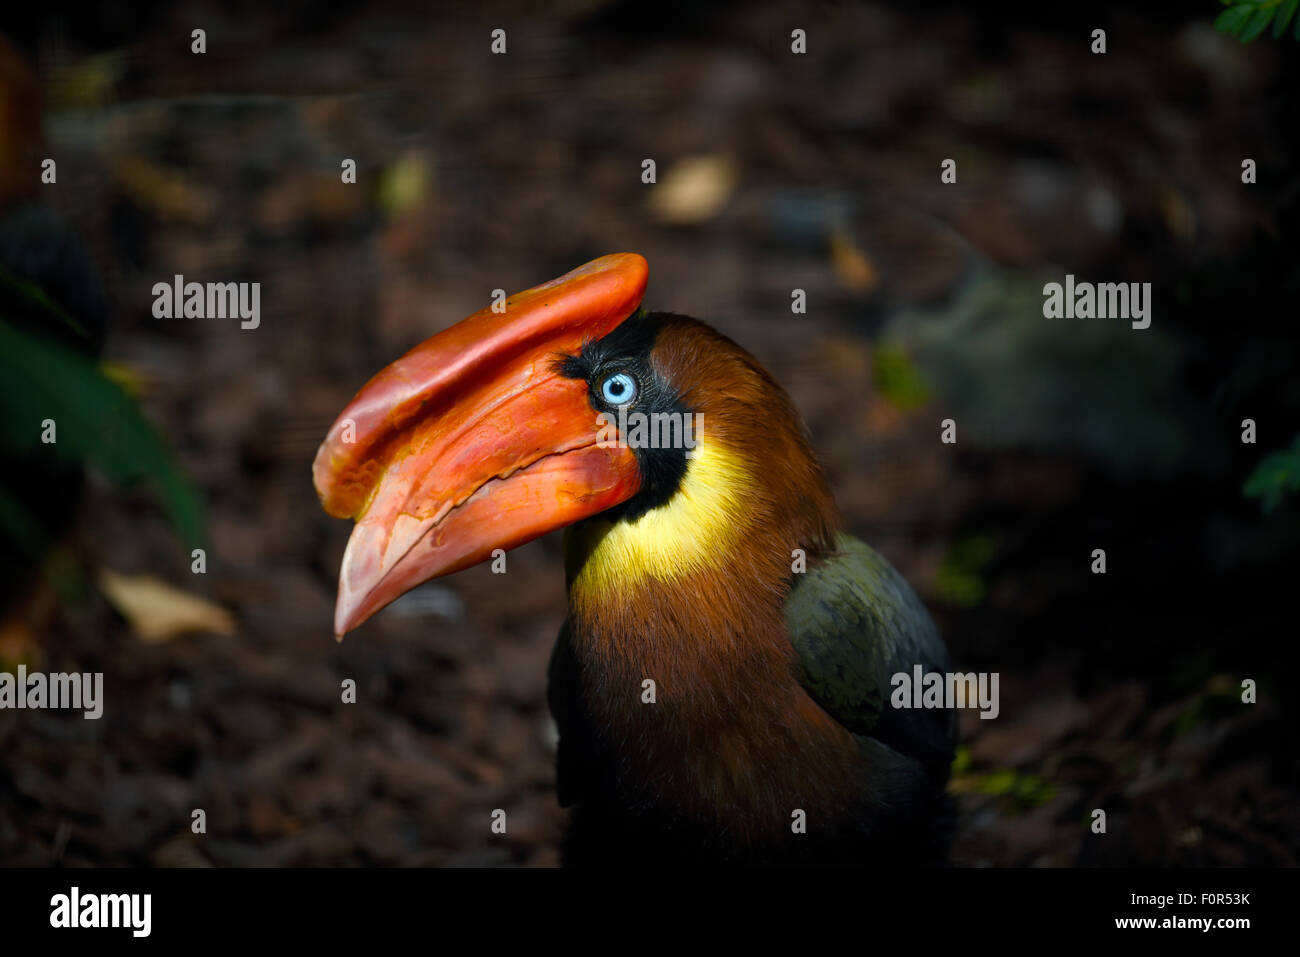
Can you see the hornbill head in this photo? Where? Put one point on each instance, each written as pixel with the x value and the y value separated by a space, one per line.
pixel 514 423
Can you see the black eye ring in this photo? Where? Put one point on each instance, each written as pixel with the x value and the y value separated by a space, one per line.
pixel 618 389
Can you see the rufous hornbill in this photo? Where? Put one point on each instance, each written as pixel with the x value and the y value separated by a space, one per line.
pixel 769 736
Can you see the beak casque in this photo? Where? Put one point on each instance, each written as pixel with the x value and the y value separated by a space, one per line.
pixel 472 442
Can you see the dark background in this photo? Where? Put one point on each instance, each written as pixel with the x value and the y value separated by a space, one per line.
pixel 821 172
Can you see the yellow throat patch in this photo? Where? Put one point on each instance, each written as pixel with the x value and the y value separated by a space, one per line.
pixel 693 531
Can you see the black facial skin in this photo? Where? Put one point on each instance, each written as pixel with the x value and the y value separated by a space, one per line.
pixel 627 349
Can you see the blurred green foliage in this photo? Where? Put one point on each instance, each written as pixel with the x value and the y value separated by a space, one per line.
pixel 1026 790
pixel 1277 474
pixel 899 379
pixel 959 580
pixel 1219 700
pixel 97 425
pixel 1248 19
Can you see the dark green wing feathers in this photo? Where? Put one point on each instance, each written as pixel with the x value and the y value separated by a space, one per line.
pixel 855 622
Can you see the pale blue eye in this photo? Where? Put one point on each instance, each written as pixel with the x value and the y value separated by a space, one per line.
pixel 618 389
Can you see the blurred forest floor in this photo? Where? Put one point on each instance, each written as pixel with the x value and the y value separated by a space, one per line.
pixel 820 172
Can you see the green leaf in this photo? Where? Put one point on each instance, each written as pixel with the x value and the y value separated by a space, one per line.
pixel 898 377
pixel 35 295
pixel 97 424
pixel 959 580
pixel 961 759
pixel 1284 15
pixel 1257 24
pixel 1277 474
pixel 1233 20
pixel 1027 790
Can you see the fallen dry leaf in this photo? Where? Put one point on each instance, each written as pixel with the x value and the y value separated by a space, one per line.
pixel 405 185
pixel 854 269
pixel 158 612
pixel 170 195
pixel 23 624
pixel 694 189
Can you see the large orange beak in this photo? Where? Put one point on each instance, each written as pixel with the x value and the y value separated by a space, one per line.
pixel 473 442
